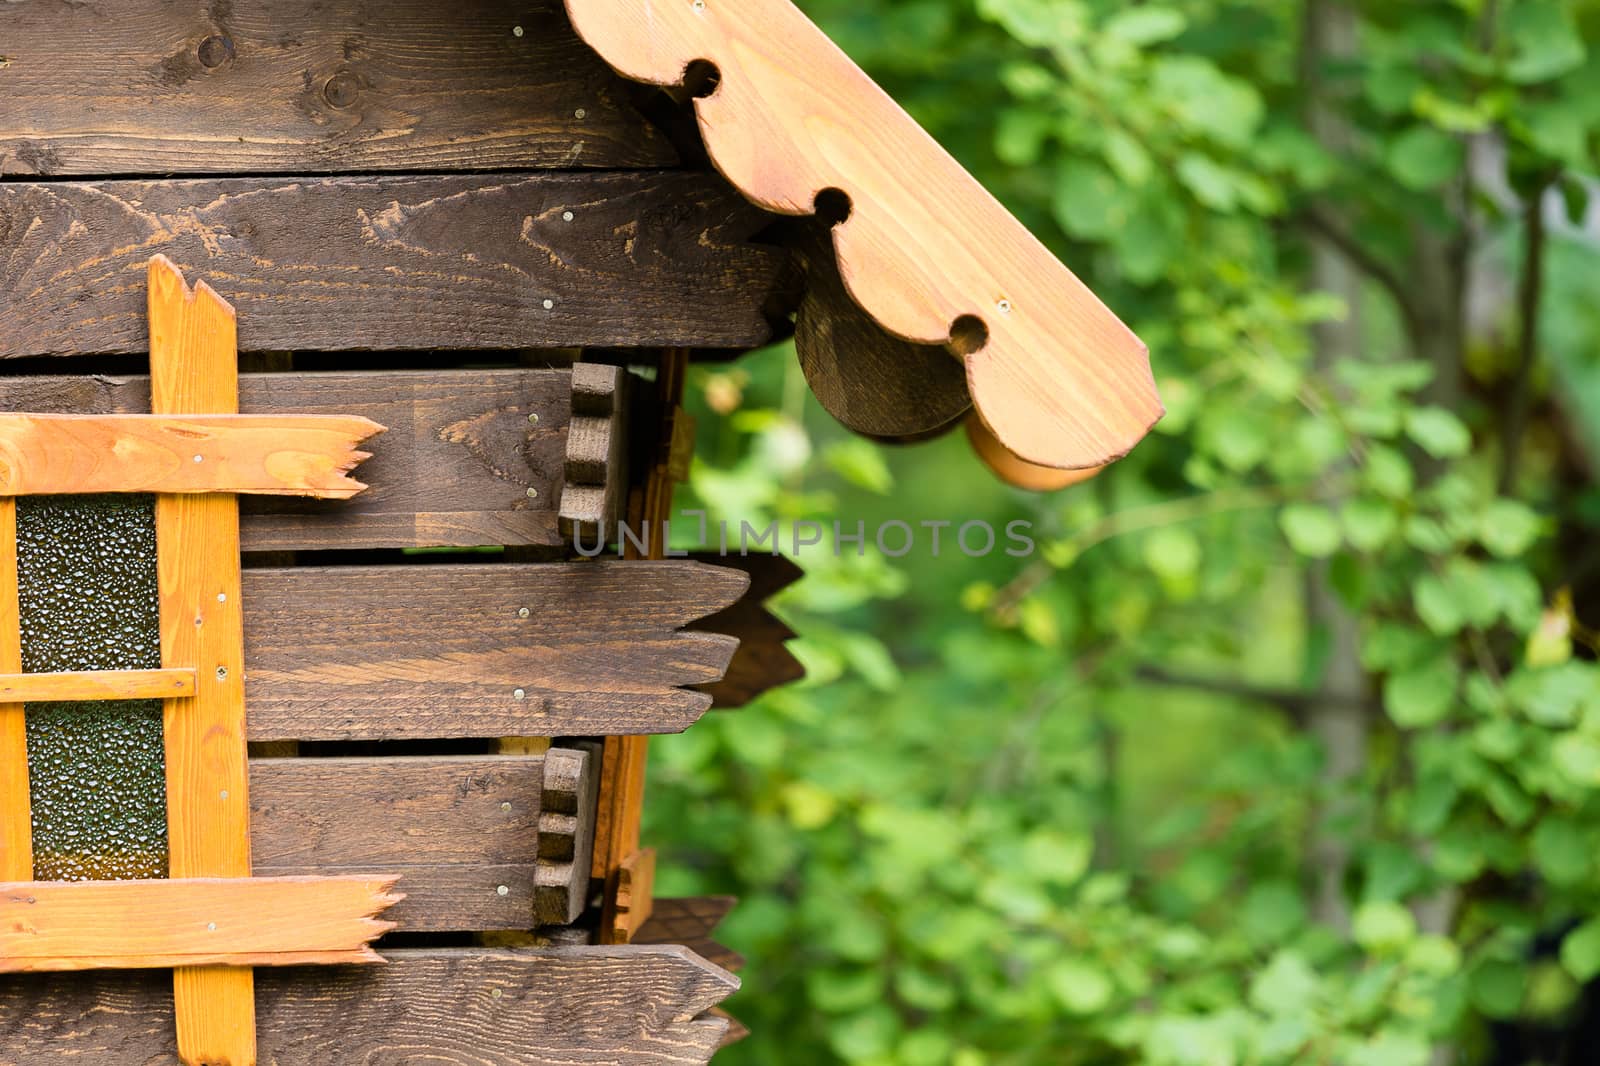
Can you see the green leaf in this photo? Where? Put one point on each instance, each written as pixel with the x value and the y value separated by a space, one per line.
pixel 1080 986
pixel 1423 695
pixel 1059 858
pixel 1497 986
pixel 1311 529
pixel 1438 432
pixel 1213 184
pixel 1577 758
pixel 1388 472
pixel 1580 951
pixel 1553 696
pixel 1172 553
pixel 1088 199
pixel 1143 26
pixel 1563 850
pixel 1383 926
pixel 1424 158
pixel 1437 605
pixel 1369 523
pixel 1545 41
pixel 1286 985
pixel 861 463
pixel 1508 528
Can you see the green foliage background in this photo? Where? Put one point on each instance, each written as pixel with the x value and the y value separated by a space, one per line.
pixel 1285 746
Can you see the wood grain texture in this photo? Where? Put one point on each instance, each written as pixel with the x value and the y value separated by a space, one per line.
pixel 272 455
pixel 763 661
pixel 97 685
pixel 194 369
pixel 451 262
pixel 118 925
pixel 16 817
pixel 566 832
pixel 873 382
pixel 596 487
pixel 1016 471
pixel 623 765
pixel 690 921
pixel 588 1006
pixel 482 842
pixel 634 899
pixel 454 469
pixel 1058 377
pixel 308 85
pixel 437 651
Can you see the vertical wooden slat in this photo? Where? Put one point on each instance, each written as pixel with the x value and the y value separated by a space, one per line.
pixel 193 370
pixel 16 817
pixel 625 758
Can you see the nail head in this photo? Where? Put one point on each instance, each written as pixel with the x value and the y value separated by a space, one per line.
pixel 519 694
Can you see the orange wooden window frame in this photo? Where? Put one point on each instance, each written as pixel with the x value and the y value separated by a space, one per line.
pixel 211 921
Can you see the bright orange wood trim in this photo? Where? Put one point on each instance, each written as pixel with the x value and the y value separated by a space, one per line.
pixel 194 368
pixel 265 921
pixel 1060 380
pixel 96 685
pixel 16 816
pixel 270 455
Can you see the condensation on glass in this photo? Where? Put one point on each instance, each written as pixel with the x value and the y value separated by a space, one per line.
pixel 88 594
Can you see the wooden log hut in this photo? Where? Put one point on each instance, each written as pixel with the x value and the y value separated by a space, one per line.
pixel 325 327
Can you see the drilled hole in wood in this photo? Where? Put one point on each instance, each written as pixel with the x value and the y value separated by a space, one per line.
pixel 967 335
pixel 833 206
pixel 701 78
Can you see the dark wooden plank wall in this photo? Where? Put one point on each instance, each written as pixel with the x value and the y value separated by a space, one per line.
pixel 428 652
pixel 105 87
pixel 619 1006
pixel 633 259
pixel 542 211
pixel 453 468
pixel 476 840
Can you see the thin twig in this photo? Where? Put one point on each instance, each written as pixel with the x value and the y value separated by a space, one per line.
pixel 1530 287
pixel 1336 233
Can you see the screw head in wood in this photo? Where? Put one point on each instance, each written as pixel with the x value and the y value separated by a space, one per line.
pixel 506 806
pixel 523 612
pixel 503 890
pixel 199 458
pixel 223 794
pixel 342 89
pixel 222 597
pixel 1004 307
pixel 699 5
pixel 222 673
pixel 215 51
pixel 580 114
pixel 533 494
pixel 496 993
pixel 212 926
pixel 516 31
pixel 566 216
pixel 549 305
pixel 519 694
pixel 533 419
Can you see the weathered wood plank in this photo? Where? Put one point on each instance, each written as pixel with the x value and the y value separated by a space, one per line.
pixel 454 469
pixel 619 1006
pixel 690 921
pixel 434 651
pixel 474 839
pixel 566 832
pixel 48 926
pixel 596 487
pixel 194 369
pixel 453 262
pixel 308 85
pixel 763 661
pixel 272 455
pixel 77 685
